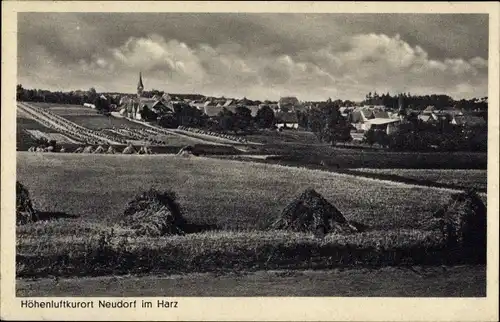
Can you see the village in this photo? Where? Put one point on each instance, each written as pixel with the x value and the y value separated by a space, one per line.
pixel 363 123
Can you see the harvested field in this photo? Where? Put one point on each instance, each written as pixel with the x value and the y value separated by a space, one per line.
pixel 60 138
pixel 25 125
pixel 286 136
pixel 229 194
pixel 98 122
pixel 55 105
pixel 73 111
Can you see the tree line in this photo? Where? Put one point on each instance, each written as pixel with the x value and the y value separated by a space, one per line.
pixel 240 121
pixel 420 102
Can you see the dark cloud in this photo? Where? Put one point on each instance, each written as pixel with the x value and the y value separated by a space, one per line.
pixel 254 52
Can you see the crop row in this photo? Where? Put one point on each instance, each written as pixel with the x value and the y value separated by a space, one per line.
pixel 211 133
pixel 65 126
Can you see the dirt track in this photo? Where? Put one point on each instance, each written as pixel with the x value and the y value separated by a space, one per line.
pixel 459 281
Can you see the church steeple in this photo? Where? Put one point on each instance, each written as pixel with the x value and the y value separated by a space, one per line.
pixel 140 86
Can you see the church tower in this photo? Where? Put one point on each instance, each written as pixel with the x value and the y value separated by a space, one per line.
pixel 140 86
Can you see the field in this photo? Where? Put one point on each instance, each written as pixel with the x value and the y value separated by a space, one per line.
pixel 232 203
pixel 229 205
pixel 99 122
pixel 117 129
pixel 324 157
pixel 283 137
pixel 210 189
pixel 461 179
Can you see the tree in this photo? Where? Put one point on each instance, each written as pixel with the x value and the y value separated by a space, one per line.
pixel 369 137
pixel 92 94
pixel 187 115
pixel 242 118
pixel 316 123
pixel 19 92
pixel 265 117
pixel 328 123
pixel 225 119
pixel 168 121
pixel 102 104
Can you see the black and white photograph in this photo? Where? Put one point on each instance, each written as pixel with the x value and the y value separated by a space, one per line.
pixel 251 154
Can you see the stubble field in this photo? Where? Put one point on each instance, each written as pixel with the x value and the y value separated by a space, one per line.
pixel 238 200
pixel 230 194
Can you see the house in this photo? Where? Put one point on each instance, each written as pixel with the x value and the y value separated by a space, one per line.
pixel 366 117
pixel 88 105
pixel 428 117
pixel 385 124
pixel 211 110
pixel 429 110
pixel 359 118
pixel 254 109
pixel 286 120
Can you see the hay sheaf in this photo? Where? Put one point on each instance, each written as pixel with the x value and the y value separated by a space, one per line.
pixel 154 213
pixel 129 150
pixel 88 149
pixel 145 150
pixel 310 212
pixel 25 213
pixel 111 150
pixel 187 151
pixel 99 149
pixel 463 221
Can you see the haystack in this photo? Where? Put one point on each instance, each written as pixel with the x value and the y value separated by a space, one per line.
pixel 186 151
pixel 144 150
pixel 129 149
pixel 24 207
pixel 154 213
pixel 100 149
pixel 111 150
pixel 62 150
pixel 310 212
pixel 463 221
pixel 88 149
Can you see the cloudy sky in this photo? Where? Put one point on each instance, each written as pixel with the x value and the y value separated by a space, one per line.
pixel 311 56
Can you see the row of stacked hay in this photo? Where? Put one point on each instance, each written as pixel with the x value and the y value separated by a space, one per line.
pixel 129 149
pixel 462 220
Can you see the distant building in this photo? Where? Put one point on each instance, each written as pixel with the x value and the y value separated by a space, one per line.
pixel 365 118
pixel 138 107
pixel 286 120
